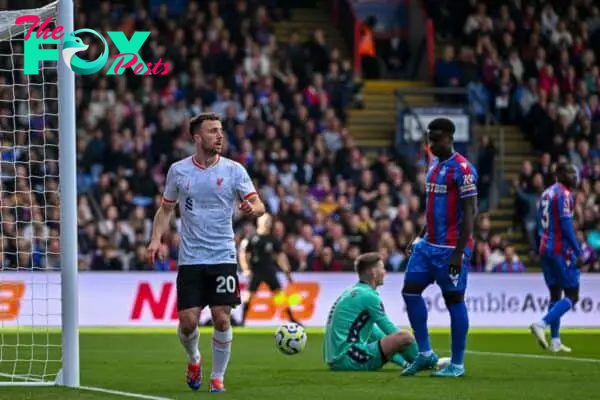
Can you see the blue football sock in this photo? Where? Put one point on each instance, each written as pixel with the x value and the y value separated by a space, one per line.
pixel 554 326
pixel 459 325
pixel 556 312
pixel 417 315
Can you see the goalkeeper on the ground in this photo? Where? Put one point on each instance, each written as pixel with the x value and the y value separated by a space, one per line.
pixel 359 336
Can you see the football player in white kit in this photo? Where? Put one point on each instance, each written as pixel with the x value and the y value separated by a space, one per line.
pixel 206 187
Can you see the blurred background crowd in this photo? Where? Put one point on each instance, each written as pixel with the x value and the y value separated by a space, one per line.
pixel 284 105
pixel 535 63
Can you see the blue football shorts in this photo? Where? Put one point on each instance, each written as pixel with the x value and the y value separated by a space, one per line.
pixel 559 271
pixel 429 264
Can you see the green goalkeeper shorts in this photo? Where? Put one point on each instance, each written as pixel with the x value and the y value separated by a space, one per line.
pixel 360 357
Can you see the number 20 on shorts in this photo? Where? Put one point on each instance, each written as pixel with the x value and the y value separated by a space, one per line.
pixel 226 284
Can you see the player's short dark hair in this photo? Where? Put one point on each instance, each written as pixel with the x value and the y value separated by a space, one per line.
pixel 442 124
pixel 366 261
pixel 562 168
pixel 196 121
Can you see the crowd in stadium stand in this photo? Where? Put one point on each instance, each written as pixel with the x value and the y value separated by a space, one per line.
pixel 283 107
pixel 536 67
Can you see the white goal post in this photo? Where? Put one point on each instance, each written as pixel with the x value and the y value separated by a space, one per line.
pixel 39 334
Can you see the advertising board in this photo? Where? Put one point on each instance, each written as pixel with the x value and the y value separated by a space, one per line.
pixel 149 300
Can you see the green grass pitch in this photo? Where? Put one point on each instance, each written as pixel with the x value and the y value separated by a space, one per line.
pixel 501 365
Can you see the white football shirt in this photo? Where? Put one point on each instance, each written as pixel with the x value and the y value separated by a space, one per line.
pixel 206 198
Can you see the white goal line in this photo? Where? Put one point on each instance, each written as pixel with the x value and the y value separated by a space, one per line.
pixel 120 393
pixel 533 356
pixel 32 380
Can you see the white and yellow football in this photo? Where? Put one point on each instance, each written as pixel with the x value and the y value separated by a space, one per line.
pixel 290 338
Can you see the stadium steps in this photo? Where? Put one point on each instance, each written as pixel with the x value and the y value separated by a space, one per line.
pixel 374 126
pixel 517 150
pixel 305 21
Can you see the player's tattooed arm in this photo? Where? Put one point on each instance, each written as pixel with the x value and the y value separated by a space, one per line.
pixel 159 227
pixel 162 218
pixel 251 205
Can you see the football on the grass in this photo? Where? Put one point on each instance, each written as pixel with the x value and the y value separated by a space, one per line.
pixel 442 363
pixel 290 338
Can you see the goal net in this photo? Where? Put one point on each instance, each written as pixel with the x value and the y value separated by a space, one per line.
pixel 31 313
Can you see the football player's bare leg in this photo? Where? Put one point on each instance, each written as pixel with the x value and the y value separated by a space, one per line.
pixel 221 345
pixel 189 336
pixel 399 347
pixel 188 332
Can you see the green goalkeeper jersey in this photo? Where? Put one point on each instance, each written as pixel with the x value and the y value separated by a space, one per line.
pixel 352 318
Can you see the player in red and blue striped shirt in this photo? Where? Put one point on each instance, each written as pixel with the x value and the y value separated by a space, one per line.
pixel 560 254
pixel 443 253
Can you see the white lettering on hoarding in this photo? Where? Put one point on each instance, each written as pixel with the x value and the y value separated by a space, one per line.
pixel 503 303
pixel 149 299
